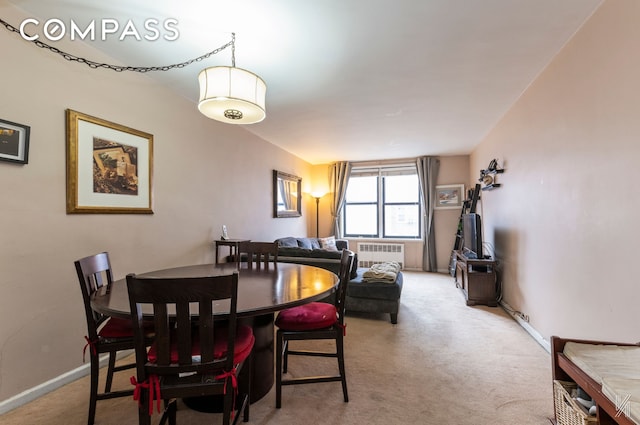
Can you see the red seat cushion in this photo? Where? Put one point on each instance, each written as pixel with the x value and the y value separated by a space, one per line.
pixel 307 317
pixel 116 328
pixel 120 328
pixel 243 345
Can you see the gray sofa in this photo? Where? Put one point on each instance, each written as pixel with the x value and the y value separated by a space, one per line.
pixel 308 251
pixel 362 296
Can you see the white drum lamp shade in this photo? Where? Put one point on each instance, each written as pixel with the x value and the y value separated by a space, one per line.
pixel 232 95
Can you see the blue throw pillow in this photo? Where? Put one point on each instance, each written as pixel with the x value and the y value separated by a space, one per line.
pixel 304 243
pixel 291 242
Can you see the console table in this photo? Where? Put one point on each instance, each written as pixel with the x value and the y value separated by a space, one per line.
pixel 231 243
pixel 477 279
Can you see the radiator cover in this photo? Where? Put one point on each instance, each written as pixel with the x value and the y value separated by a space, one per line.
pixel 370 253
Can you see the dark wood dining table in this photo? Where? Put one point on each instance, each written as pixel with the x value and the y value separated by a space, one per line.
pixel 261 293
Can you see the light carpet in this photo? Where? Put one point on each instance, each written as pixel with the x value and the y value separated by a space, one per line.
pixel 443 363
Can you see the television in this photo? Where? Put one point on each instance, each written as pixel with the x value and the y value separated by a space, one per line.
pixel 472 236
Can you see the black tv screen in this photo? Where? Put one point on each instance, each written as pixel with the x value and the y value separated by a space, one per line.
pixel 472 235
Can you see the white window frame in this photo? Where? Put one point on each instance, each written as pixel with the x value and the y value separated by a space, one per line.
pixel 380 172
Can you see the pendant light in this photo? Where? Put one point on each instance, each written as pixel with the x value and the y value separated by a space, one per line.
pixel 232 95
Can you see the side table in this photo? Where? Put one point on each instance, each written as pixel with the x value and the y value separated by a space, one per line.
pixel 231 243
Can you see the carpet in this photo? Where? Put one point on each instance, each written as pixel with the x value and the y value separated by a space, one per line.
pixel 443 363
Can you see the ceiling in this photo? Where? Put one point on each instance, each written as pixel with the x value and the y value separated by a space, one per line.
pixel 350 79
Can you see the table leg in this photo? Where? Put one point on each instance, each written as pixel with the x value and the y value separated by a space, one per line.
pixel 262 367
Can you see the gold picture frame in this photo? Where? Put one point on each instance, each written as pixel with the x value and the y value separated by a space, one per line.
pixel 109 167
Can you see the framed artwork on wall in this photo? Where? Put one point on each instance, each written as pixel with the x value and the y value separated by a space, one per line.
pixel 109 167
pixel 449 196
pixel 14 142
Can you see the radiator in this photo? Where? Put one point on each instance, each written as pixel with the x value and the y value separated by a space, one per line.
pixel 371 253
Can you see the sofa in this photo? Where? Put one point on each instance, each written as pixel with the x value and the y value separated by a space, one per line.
pixel 320 252
pixel 363 295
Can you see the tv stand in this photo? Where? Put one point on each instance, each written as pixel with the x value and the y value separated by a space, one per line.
pixel 477 279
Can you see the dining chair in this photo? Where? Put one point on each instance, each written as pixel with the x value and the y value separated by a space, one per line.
pixel 261 255
pixel 314 321
pixel 193 355
pixel 104 334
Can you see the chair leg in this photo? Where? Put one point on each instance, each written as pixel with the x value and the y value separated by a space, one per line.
pixel 341 368
pixel 279 371
pixel 228 404
pixel 110 368
pixel 169 414
pixel 143 409
pixel 285 355
pixel 246 385
pixel 93 392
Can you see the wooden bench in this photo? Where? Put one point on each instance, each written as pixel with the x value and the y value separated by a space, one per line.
pixel 563 369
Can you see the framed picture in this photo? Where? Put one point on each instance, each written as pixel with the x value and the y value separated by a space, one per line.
pixel 14 142
pixel 449 196
pixel 109 167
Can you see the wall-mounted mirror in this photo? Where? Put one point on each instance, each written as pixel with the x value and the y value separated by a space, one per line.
pixel 287 195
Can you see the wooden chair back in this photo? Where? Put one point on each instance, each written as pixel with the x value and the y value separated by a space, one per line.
pixel 174 324
pixel 94 272
pixel 259 255
pixel 190 357
pixel 344 275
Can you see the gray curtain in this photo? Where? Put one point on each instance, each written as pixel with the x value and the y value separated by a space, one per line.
pixel 285 194
pixel 428 168
pixel 339 179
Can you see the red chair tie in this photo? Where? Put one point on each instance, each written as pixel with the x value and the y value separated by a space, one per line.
pixel 153 385
pixel 234 383
pixel 344 328
pixel 91 344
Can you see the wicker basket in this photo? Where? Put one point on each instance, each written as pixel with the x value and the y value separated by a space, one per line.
pixel 569 411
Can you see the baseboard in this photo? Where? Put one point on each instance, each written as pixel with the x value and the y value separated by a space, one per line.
pixel 527 327
pixel 53 384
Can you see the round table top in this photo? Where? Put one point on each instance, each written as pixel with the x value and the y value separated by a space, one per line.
pixel 259 291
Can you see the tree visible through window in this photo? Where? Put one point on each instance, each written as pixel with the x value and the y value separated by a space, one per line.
pixel 383 203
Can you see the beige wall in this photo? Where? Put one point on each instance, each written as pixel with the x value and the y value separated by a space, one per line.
pixel 205 174
pixel 564 224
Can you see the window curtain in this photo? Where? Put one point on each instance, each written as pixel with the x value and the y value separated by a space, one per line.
pixel 339 179
pixel 428 168
pixel 285 194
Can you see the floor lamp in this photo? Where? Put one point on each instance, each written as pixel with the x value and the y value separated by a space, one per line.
pixel 317 195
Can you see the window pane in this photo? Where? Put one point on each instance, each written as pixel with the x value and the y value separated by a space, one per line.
pixel 401 220
pixel 361 220
pixel 401 188
pixel 362 189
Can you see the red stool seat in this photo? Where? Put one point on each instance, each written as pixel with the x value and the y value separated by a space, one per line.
pixel 120 328
pixel 314 315
pixel 243 345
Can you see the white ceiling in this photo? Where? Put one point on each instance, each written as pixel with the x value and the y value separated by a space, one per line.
pixel 352 79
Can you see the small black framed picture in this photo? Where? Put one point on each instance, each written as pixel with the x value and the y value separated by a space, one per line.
pixel 14 142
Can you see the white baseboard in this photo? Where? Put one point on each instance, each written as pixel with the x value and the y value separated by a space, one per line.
pixel 527 327
pixel 53 384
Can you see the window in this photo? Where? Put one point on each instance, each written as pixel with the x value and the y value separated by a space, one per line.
pixel 383 203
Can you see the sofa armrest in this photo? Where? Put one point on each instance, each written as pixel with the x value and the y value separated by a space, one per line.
pixel 342 244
